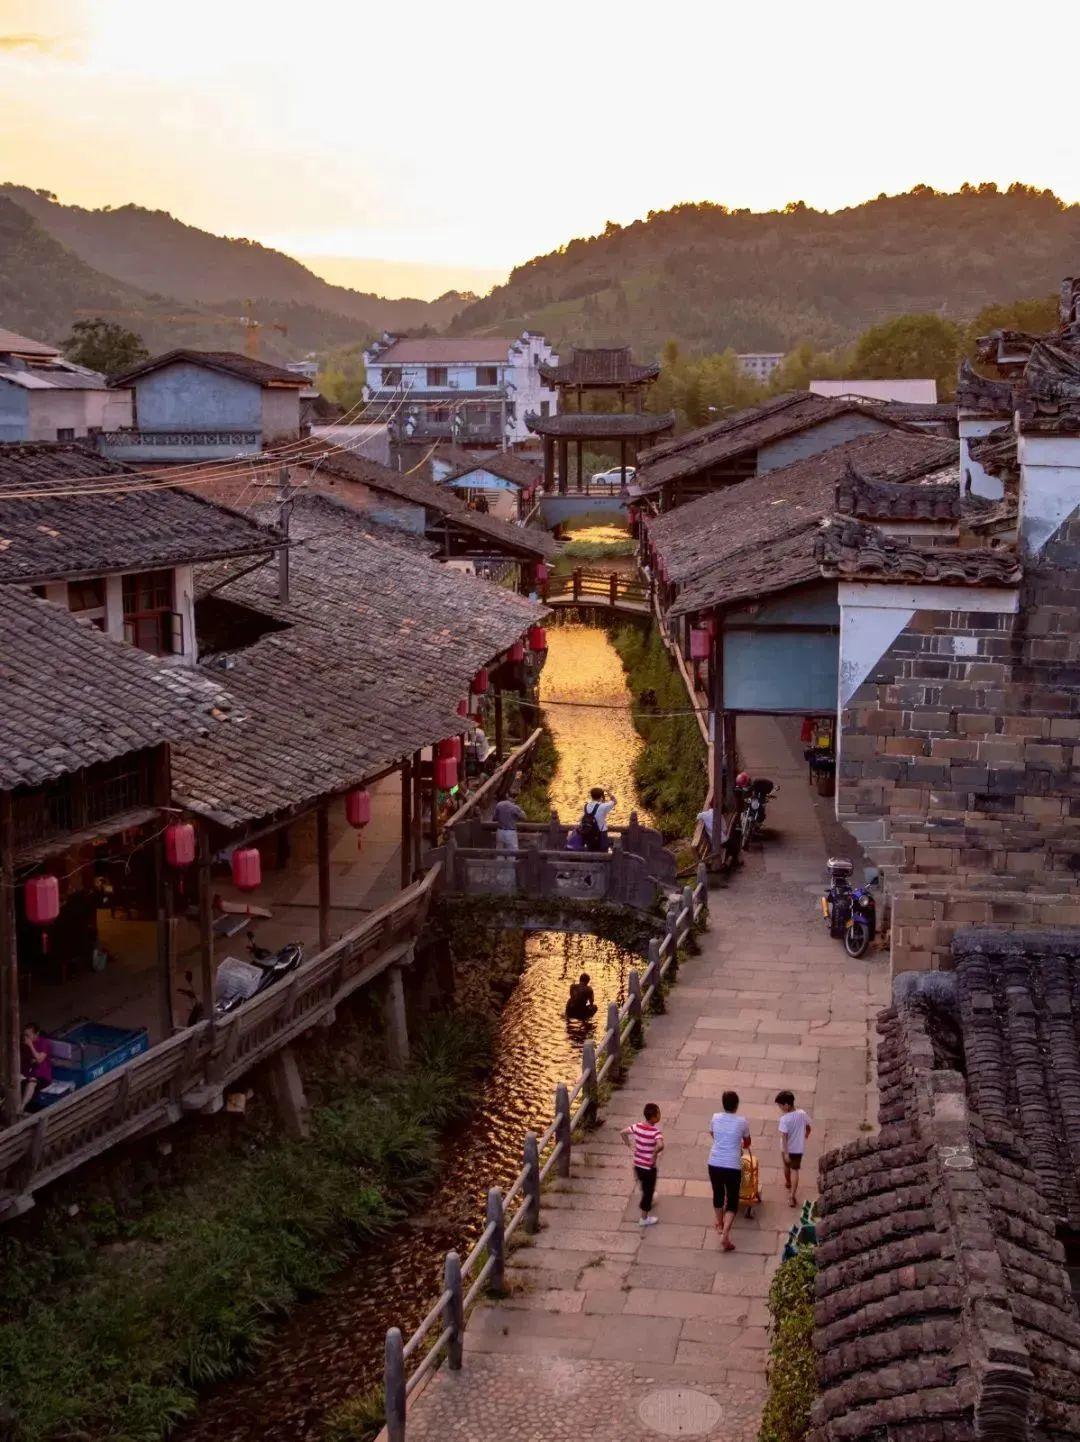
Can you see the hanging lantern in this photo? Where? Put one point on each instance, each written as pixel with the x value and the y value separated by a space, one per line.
pixel 537 638
pixel 699 643
pixel 516 652
pixel 246 868
pixel 480 682
pixel 180 843
pixel 358 807
pixel 541 573
pixel 448 749
pixel 463 706
pixel 42 897
pixel 446 772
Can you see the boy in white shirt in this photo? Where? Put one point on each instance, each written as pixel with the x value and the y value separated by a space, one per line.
pixel 794 1130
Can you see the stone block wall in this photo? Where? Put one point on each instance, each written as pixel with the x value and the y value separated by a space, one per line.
pixel 960 763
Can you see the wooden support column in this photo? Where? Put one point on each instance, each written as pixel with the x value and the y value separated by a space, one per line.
pixel 406 822
pixel 549 463
pixel 322 853
pixel 580 466
pixel 717 707
pixel 417 813
pixel 395 1018
pixel 499 738
pixel 206 925
pixel 564 466
pixel 622 462
pixel 11 1073
pixel 164 940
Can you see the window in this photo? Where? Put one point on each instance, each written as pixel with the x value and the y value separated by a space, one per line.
pixel 87 599
pixel 437 375
pixel 391 377
pixel 487 375
pixel 66 433
pixel 149 619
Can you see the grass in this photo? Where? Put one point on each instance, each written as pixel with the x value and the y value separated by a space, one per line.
pixel 597 550
pixel 792 1381
pixel 109 1326
pixel 534 797
pixel 671 770
pixel 359 1419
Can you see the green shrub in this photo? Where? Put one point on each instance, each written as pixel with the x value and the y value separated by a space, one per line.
pixel 792 1382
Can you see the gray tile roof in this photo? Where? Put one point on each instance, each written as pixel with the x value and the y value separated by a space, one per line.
pixel 601 425
pixel 63 512
pixel 604 366
pixel 378 645
pixel 848 550
pixel 232 363
pixel 71 696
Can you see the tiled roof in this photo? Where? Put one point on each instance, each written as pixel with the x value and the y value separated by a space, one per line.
pixel 739 433
pixel 1048 397
pixel 875 500
pixel 943 1310
pixel 998 455
pixel 71 696
pixel 750 571
pixel 611 366
pixel 57 518
pixel 377 645
pixel 51 378
pixel 443 350
pixel 598 425
pixel 12 341
pixel 232 363
pixel 701 534
pixel 518 470
pixel 920 412
pixel 978 393
pixel 341 465
pixel 852 551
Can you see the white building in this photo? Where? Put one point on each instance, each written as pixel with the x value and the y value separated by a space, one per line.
pixel 759 365
pixel 469 389
pixel 43 397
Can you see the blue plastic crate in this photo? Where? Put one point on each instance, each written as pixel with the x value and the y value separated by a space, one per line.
pixel 88 1050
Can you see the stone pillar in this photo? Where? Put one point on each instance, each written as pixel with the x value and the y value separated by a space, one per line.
pixel 397 1030
pixel 288 1089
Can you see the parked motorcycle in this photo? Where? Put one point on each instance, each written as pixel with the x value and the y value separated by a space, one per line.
pixel 238 981
pixel 754 795
pixel 850 912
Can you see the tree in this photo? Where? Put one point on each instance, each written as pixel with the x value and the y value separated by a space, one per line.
pixel 341 377
pixel 911 346
pixel 1036 317
pixel 102 345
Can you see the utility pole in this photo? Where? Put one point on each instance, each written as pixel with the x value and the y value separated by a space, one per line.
pixel 285 505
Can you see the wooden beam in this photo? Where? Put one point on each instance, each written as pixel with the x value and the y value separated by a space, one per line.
pixel 498 726
pixel 417 814
pixel 164 940
pixel 322 853
pixel 717 706
pixel 10 1070
pixel 206 925
pixel 406 822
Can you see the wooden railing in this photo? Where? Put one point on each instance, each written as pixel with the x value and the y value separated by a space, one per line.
pixel 497 784
pixel 190 1070
pixel 598 588
pixel 519 1207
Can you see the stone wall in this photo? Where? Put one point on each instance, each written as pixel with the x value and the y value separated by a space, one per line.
pixel 957 763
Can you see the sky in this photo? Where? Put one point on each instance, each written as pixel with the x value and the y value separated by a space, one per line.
pixel 459 140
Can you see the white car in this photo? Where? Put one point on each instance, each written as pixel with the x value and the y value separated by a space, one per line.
pixel 612 478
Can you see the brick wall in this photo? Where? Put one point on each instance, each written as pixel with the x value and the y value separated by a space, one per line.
pixel 957 759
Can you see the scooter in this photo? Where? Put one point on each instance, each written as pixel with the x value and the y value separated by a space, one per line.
pixel 850 912
pixel 238 981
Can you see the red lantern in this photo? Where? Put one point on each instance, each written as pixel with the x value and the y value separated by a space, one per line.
pixel 448 749
pixel 699 643
pixel 246 868
pixel 537 638
pixel 42 897
pixel 541 573
pixel 358 807
pixel 463 706
pixel 180 843
pixel 480 682
pixel 446 773
pixel 516 652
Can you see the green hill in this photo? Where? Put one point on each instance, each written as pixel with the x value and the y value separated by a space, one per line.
pixel 712 278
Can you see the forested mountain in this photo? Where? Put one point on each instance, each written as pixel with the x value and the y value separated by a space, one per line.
pixel 712 278
pixel 115 256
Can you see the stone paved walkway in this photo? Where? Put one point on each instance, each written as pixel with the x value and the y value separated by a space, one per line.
pixel 614 1332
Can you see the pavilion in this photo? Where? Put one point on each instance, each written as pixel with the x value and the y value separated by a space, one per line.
pixel 609 372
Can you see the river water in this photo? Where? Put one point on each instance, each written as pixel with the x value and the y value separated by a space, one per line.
pixel 331 1348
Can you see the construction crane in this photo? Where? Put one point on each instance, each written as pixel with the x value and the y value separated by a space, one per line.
pixel 251 326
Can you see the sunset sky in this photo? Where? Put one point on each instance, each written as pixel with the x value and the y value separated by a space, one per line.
pixel 462 139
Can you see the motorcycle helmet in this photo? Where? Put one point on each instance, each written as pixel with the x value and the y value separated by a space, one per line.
pixel 742 780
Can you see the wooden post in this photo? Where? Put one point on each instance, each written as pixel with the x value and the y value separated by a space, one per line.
pixel 554 833
pixel 164 949
pixel 417 819
pixel 592 1088
pixel 563 1134
pixel 688 905
pixel 531 1191
pixel 613 587
pixel 580 466
pixel 395 1019
pixel 637 1011
pixel 11 1077
pixel 499 748
pixel 730 750
pixel 206 925
pixel 614 1026
pixel 497 1244
pixel 454 1311
pixel 564 466
pixel 652 973
pixel 673 937
pixel 322 851
pixel 717 678
pixel 406 822
pixel 549 463
pixel 703 884
pixel 394 1386
pixel 622 461
pixel 577 583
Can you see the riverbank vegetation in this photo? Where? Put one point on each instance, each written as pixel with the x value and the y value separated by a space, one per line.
pixel 792 1381
pixel 671 771
pixel 114 1315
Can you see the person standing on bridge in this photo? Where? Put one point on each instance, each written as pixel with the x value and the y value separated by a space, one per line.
pixel 507 814
pixel 594 819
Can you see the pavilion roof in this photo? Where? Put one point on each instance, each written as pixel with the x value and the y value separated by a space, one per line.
pixel 598 425
pixel 607 366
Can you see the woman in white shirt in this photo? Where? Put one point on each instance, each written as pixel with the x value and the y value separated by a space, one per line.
pixel 730 1134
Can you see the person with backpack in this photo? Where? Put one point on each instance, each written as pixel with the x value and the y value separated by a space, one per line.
pixel 592 828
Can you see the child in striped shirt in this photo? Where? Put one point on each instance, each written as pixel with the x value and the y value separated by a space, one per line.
pixel 646 1141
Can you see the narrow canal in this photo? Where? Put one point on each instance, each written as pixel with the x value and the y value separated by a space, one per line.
pixel 331 1348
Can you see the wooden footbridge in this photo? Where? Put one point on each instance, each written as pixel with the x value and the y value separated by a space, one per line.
pixel 600 590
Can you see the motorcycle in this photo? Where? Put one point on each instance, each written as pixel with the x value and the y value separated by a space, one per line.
pixel 753 813
pixel 238 981
pixel 850 912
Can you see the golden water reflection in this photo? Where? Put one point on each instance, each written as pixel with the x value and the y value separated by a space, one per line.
pixel 597 747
